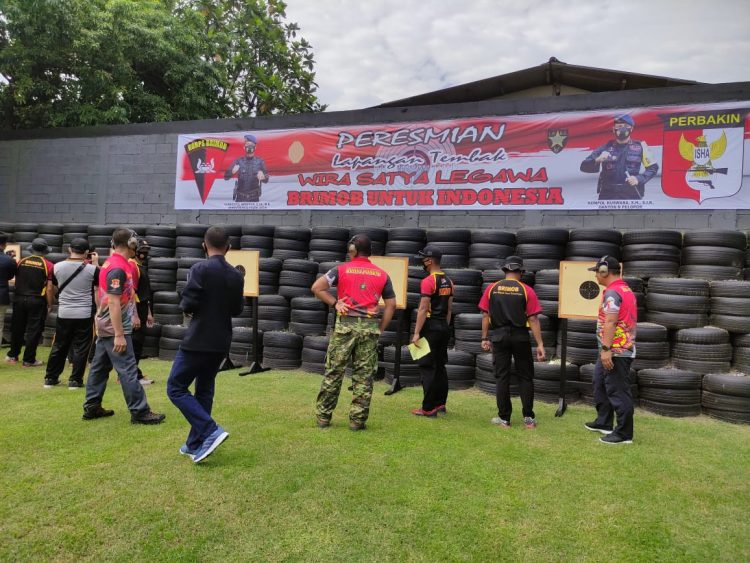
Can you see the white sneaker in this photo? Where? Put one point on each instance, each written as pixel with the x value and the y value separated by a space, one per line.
pixel 146 381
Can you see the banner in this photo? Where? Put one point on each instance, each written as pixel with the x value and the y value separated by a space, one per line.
pixel 671 157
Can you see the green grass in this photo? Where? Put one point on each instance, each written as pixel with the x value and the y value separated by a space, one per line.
pixel 453 489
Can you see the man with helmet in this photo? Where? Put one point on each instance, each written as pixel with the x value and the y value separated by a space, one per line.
pixel 250 171
pixel 619 162
pixel 142 287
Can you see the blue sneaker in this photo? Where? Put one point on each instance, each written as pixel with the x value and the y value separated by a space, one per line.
pixel 184 450
pixel 213 441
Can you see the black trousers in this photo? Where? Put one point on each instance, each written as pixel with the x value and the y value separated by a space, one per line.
pixel 612 395
pixel 139 336
pixel 26 326
pixel 75 336
pixel 513 343
pixel 432 366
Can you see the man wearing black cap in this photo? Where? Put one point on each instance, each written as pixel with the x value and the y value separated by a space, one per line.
pixel 509 306
pixel 142 284
pixel 76 281
pixel 250 171
pixel 34 298
pixel 8 269
pixel 433 318
pixel 620 161
pixel 615 332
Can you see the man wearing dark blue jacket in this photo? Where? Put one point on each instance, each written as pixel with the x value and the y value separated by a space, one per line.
pixel 212 296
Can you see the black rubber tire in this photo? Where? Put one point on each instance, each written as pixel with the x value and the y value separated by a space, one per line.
pixel 610 236
pixel 489 251
pixel 670 396
pixel 656 252
pixel 308 304
pixel 297 279
pixel 732 323
pixel 651 350
pixel 703 352
pixel 403 247
pixel 258 230
pixel 547 277
pixel 547 292
pixel 316 343
pixel 407 234
pixel 467 294
pixel 162 276
pixel 292 233
pixel 581 356
pixel 666 303
pixel 593 249
pixel 703 335
pixel 452 249
pixel 448 235
pixel 724 402
pixel 308 317
pixel 551 372
pixel 650 332
pixel 189 252
pixel 713 256
pixel 711 273
pixel 581 325
pixel 255 241
pixel 731 289
pixel 712 237
pixel 340 234
pixel 671 410
pixel 328 245
pixel 176 332
pixel 464 277
pixel 652 236
pixel 190 230
pixel 728 416
pixel 701 366
pixel 376 234
pixel 161 242
pixel 303 266
pixel 725 384
pixel 677 321
pixel 542 235
pixel 97 230
pixel 282 340
pixel 161 231
pixel 162 264
pixel 168 318
pixel 187 263
pixel 494 237
pixel 540 251
pixel 679 286
pixel 290 244
pixel 166 309
pixel 669 378
pixel 647 268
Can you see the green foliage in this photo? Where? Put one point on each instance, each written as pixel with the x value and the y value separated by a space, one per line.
pixel 90 62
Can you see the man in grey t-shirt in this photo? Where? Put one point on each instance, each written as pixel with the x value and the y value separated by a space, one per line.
pixel 75 279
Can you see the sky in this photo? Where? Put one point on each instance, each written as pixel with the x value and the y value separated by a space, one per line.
pixel 368 52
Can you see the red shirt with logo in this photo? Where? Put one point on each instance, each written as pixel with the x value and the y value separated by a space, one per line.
pixel 115 278
pixel 619 298
pixel 360 285
pixel 510 303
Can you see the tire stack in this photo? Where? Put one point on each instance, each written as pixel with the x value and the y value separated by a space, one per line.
pixel 296 277
pixel 703 350
pixel 678 303
pixel 388 336
pixel 328 244
pixel 409 370
pixel 413 285
pixel 586 375
pixel 291 243
pixel 24 234
pixel 406 241
pixel 378 238
pixel 638 288
pixel 268 275
pixel 651 252
pixel 490 248
pixel 713 255
pixel 161 239
pixel 314 349
pixel 309 316
pixel 547 288
pixel 582 345
pixel 183 268
pixel 741 353
pixel 234 232
pixel 241 350
pixel 586 245
pixel 50 323
pixel 73 231
pixel 541 248
pixel 100 238
pixel 730 306
pixel 282 350
pixel 467 285
pixel 258 237
pixel 166 308
pixel 151 336
pixel 53 234
pixel 163 274
pixel 273 313
pixel 670 392
pixel 9 228
pixel 468 332
pixel 726 396
pixel 484 374
pixel 189 240
pixel 169 342
pixel 460 368
pixel 547 381
pixel 453 243
pixel 245 318
pixel 549 336
pixel 651 346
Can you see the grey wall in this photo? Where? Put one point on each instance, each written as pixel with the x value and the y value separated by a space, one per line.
pixel 125 174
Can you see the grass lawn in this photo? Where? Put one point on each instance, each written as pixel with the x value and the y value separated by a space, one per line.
pixel 407 489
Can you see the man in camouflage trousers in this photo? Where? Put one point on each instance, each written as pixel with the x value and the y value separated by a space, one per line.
pixel 360 285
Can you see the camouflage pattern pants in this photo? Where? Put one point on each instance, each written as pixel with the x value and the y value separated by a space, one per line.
pixel 354 338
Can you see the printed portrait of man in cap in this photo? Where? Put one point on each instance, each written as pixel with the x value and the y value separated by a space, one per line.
pixel 250 171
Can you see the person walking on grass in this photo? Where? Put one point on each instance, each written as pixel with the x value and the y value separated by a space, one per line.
pixel 114 344
pixel 212 296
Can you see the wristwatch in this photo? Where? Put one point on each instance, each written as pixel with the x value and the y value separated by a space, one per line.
pixel 606 348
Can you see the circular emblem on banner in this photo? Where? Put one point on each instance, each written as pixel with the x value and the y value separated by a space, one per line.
pixel 589 290
pixel 296 151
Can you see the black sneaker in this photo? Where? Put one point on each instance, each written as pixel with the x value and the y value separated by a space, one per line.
pixel 96 412
pixel 73 385
pixel 50 383
pixel 150 417
pixel 614 439
pixel 602 428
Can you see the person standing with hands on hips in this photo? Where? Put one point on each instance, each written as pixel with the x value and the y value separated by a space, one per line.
pixel 615 332
pixel 433 320
pixel 509 307
pixel 360 286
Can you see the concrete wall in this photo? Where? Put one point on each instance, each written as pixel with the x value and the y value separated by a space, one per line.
pixel 125 174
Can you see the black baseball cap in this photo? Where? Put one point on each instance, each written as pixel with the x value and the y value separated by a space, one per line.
pixel 612 264
pixel 431 251
pixel 38 246
pixel 79 245
pixel 513 264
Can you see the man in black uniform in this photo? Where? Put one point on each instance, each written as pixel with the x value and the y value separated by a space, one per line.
pixel 620 161
pixel 433 318
pixel 7 272
pixel 34 298
pixel 142 303
pixel 251 173
pixel 509 307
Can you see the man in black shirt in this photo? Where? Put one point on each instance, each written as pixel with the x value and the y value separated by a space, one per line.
pixel 7 272
pixel 142 304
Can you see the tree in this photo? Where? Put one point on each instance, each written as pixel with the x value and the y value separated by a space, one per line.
pixel 89 62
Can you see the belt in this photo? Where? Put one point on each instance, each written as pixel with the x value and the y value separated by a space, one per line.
pixel 358 320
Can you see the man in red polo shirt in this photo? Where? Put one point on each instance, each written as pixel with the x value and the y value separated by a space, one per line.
pixel 114 345
pixel 360 286
pixel 615 332
pixel 509 307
